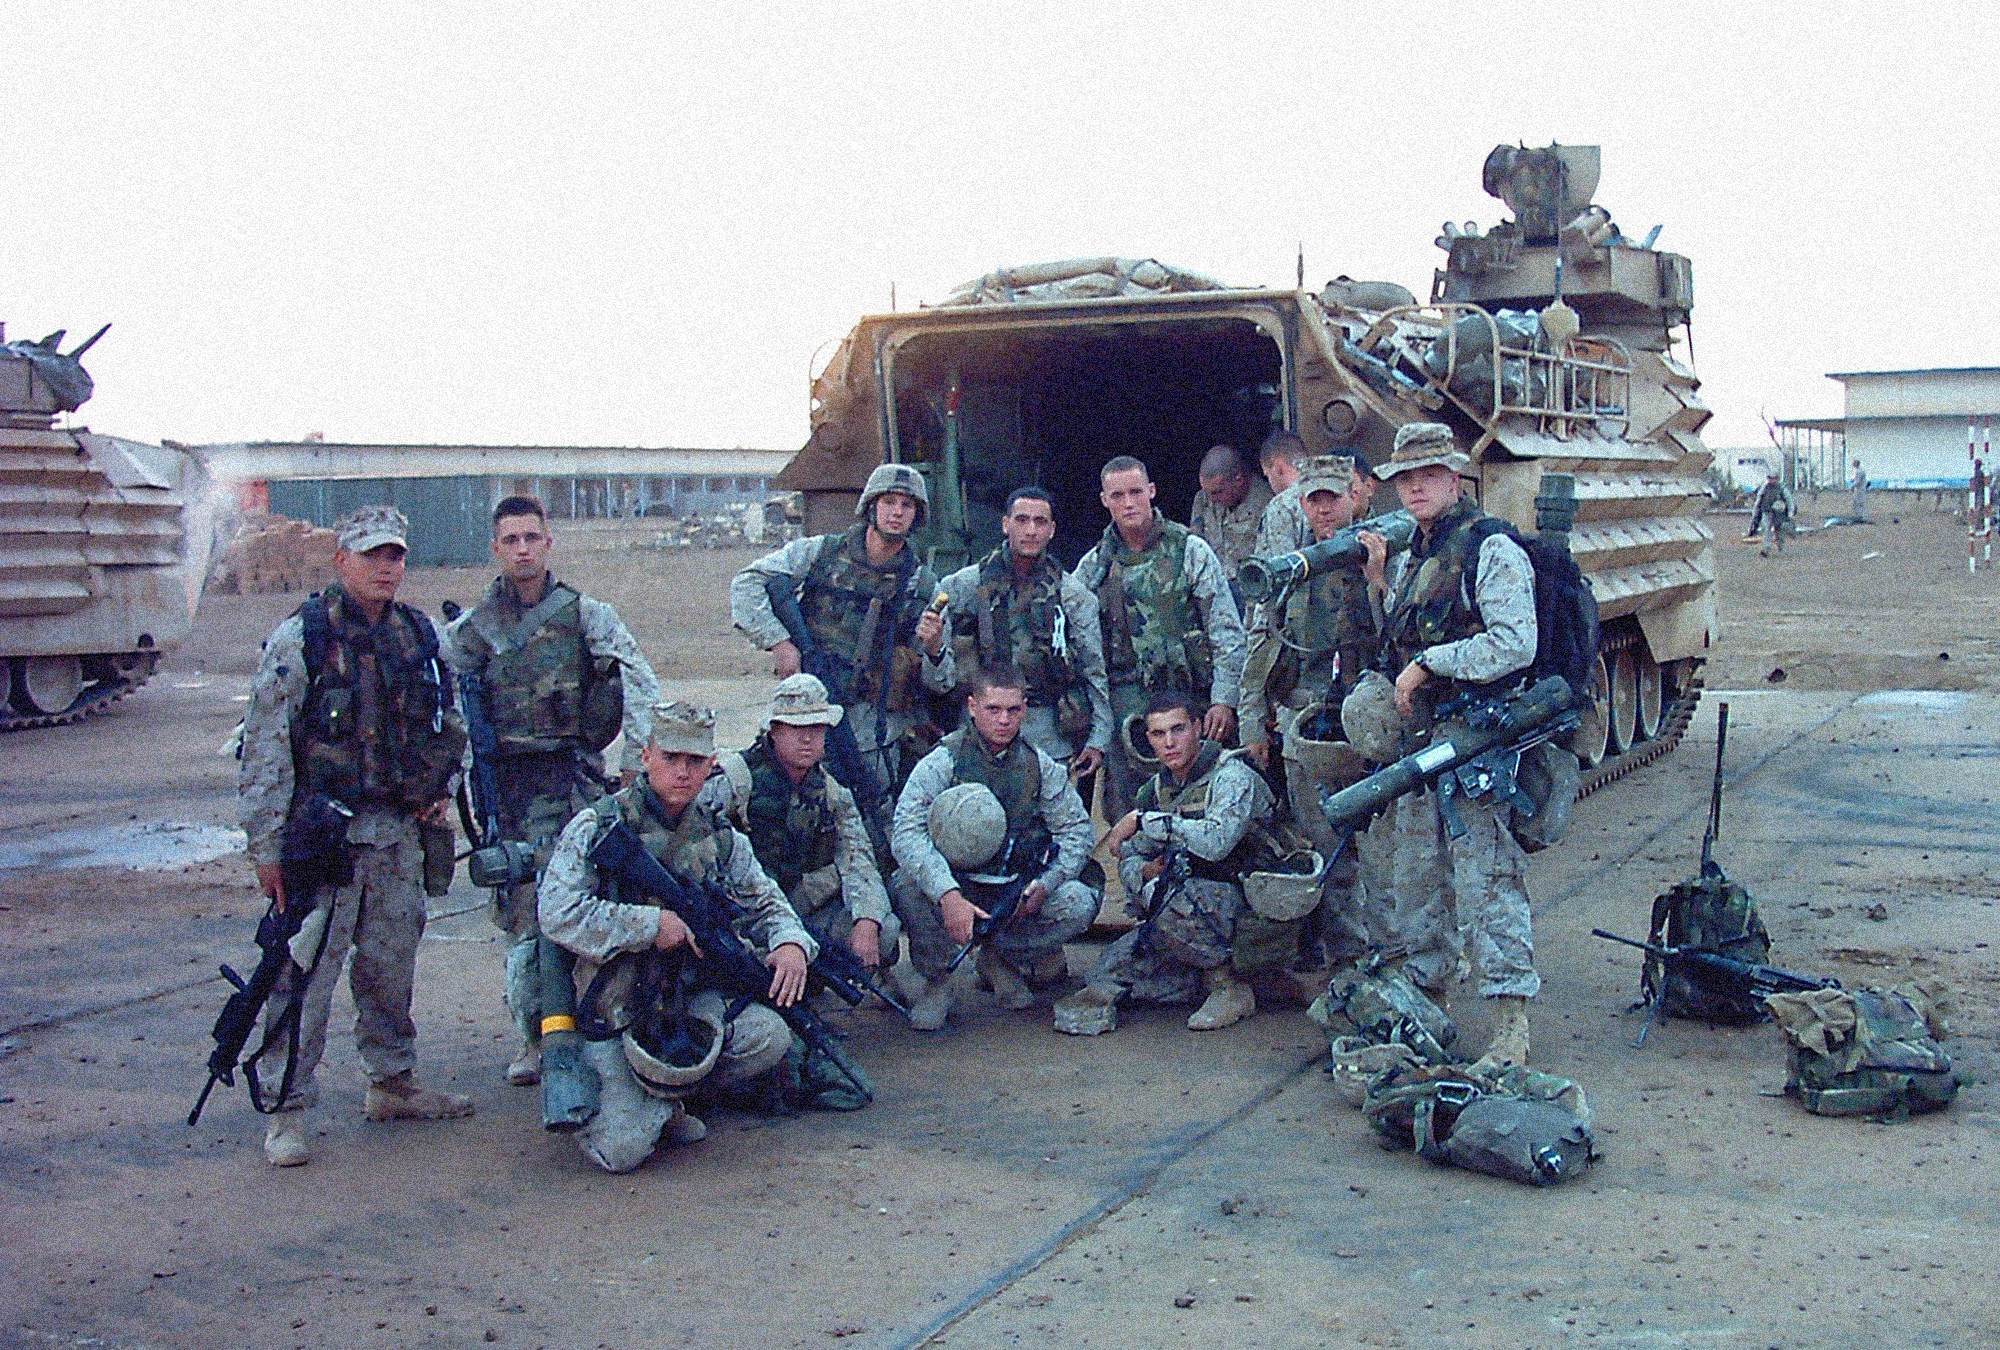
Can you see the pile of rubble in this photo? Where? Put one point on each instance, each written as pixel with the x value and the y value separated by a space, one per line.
pixel 273 553
pixel 767 525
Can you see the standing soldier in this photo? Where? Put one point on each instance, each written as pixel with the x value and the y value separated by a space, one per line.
pixel 1168 618
pixel 1229 508
pixel 1283 528
pixel 1857 511
pixel 1208 805
pixel 352 704
pixel 557 676
pixel 1305 653
pixel 987 799
pixel 871 632
pixel 1018 610
pixel 804 827
pixel 642 1082
pixel 1458 611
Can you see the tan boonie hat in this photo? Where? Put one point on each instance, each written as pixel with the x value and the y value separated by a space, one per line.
pixel 1421 444
pixel 800 701
pixel 684 728
pixel 370 527
pixel 1325 473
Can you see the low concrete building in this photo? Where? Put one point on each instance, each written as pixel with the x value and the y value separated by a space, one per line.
pixel 1908 428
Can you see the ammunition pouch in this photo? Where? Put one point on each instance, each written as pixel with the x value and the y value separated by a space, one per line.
pixel 440 845
pixel 505 864
pixel 314 853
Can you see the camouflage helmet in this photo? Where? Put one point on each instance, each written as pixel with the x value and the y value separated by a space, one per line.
pixel 968 824
pixel 894 478
pixel 1368 715
pixel 669 1057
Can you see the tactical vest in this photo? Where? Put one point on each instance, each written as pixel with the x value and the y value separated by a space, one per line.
pixel 866 615
pixel 543 690
pixel 1433 603
pixel 1019 623
pixel 790 826
pixel 1256 851
pixel 1014 777
pixel 699 847
pixel 378 728
pixel 1154 637
pixel 1327 618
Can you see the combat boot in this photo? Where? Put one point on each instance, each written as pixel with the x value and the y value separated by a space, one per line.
pixel 931 1005
pixel 285 1140
pixel 400 1098
pixel 1090 1011
pixel 683 1127
pixel 526 1070
pixel 1051 968
pixel 1006 983
pixel 1510 1035
pixel 1229 1001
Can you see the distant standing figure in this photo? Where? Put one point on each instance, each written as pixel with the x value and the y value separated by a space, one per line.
pixel 1857 510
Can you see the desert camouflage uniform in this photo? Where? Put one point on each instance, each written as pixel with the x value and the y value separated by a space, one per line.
pixel 1204 658
pixel 1057 663
pixel 1231 531
pixel 1047 806
pixel 1450 893
pixel 544 782
pixel 810 839
pixel 377 920
pixel 1284 528
pixel 577 914
pixel 800 562
pixel 1210 816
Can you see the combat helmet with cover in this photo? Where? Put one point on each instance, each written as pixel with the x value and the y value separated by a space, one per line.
pixel 968 825
pixel 894 478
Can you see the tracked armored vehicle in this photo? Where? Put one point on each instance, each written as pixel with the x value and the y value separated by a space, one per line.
pixel 103 545
pixel 1548 342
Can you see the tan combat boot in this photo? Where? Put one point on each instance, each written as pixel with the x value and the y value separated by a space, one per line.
pixel 526 1070
pixel 1229 1001
pixel 931 1004
pixel 400 1098
pixel 683 1127
pixel 1090 1011
pixel 1510 1035
pixel 1005 981
pixel 285 1140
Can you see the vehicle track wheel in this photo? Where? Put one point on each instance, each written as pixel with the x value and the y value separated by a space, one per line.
pixel 1652 697
pixel 46 684
pixel 1624 706
pixel 1592 735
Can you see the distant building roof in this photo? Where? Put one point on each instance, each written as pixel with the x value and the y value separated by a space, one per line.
pixel 1814 423
pixel 332 460
pixel 1925 370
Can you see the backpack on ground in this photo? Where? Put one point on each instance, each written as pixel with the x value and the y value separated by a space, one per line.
pixel 1709 913
pixel 1379 1003
pixel 1520 1124
pixel 1865 1052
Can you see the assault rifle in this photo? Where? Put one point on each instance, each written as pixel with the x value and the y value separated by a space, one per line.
pixel 493 862
pixel 730 964
pixel 844 759
pixel 1747 979
pixel 1002 890
pixel 1266 579
pixel 839 972
pixel 314 857
pixel 1479 754
pixel 1173 876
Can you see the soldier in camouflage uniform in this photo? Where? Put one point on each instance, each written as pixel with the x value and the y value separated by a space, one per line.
pixel 1458 611
pixel 1045 819
pixel 561 676
pixel 1209 802
pixel 807 832
pixel 1018 610
pixel 1305 653
pixel 1229 507
pixel 866 599
pixel 351 701
pixel 586 914
pixel 1283 528
pixel 1169 620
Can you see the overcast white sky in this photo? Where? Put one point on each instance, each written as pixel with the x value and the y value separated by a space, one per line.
pixel 636 223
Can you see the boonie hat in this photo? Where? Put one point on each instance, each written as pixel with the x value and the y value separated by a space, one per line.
pixel 1421 444
pixel 800 701
pixel 370 527
pixel 684 728
pixel 1325 473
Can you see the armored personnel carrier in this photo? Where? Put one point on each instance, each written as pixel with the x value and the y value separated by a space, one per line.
pixel 1548 342
pixel 101 558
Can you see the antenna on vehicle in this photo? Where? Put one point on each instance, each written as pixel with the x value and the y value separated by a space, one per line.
pixel 892 297
pixel 1302 264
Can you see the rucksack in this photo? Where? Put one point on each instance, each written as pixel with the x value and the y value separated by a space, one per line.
pixel 1708 913
pixel 1518 1124
pixel 1566 621
pixel 1863 1052
pixel 1381 1004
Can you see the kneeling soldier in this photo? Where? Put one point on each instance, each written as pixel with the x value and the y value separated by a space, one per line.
pixel 1046 832
pixel 1214 809
pixel 583 912
pixel 805 827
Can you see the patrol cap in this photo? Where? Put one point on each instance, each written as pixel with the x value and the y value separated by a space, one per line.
pixel 684 728
pixel 1421 444
pixel 801 701
pixel 370 527
pixel 894 478
pixel 1325 473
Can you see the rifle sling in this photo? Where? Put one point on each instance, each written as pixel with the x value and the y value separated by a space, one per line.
pixel 286 1026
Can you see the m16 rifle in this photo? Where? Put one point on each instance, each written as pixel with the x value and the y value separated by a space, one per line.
pixel 314 857
pixel 839 972
pixel 1479 754
pixel 1264 580
pixel 494 862
pixel 1750 980
pixel 730 965
pixel 1001 891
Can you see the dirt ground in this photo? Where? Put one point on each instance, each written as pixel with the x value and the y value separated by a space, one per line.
pixel 1151 1187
